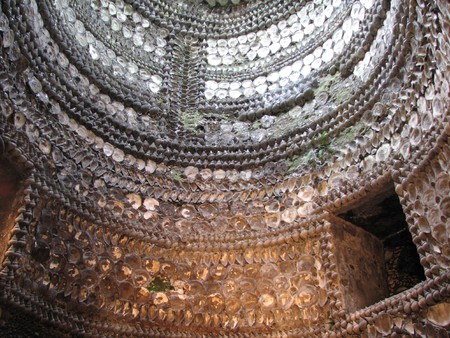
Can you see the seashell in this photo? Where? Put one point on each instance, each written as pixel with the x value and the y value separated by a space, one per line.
pixel 445 207
pixel 35 85
pixel 140 277
pixel 89 259
pixel 383 153
pixel 150 203
pixel 105 265
pixel 45 146
pixel 383 323
pixel 123 271
pixel 269 271
pixel 214 60
pixel 232 305
pixel 116 253
pixel 249 301
pixel 289 215
pixel 272 220
pixel 74 254
pixel 285 300
pixel 306 296
pixel 306 193
pixel 135 200
pixel 19 120
pixel 216 303
pixel 267 301
pixel 56 263
pixel 160 299
pixel 305 209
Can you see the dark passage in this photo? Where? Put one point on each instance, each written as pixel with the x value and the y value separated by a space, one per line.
pixel 383 217
pixel 9 192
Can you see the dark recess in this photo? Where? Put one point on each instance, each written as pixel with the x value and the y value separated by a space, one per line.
pixel 383 217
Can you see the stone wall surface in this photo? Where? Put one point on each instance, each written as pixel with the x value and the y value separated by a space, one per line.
pixel 182 168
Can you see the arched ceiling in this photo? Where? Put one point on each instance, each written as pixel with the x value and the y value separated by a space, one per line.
pixel 169 149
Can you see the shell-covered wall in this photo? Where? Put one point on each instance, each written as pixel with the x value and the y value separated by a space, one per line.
pixel 182 164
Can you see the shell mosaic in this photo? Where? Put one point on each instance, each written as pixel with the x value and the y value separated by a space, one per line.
pixel 182 163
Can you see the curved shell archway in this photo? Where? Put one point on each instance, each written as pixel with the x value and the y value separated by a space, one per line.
pixel 182 164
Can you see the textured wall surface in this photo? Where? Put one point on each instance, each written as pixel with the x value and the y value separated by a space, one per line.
pixel 177 168
pixel 360 265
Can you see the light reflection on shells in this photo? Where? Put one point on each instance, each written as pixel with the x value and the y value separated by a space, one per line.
pixel 181 162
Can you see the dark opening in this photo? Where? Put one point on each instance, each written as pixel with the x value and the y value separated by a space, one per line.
pixel 10 191
pixel 383 216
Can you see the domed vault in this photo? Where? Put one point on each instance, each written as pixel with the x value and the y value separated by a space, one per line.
pixel 224 168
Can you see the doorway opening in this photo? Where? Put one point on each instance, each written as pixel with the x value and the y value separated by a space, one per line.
pixel 382 216
pixel 11 188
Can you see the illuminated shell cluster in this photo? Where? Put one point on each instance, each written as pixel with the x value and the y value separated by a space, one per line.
pixel 182 164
